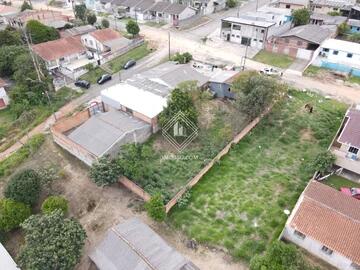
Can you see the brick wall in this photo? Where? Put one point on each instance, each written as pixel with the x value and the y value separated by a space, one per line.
pixel 288 46
pixel 134 188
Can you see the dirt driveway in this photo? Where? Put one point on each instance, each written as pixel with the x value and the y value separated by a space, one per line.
pixel 98 209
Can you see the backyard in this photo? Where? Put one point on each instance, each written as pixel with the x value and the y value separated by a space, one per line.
pixel 338 182
pixel 274 59
pixel 239 204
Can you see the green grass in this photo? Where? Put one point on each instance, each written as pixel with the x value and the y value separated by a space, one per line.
pixel 274 59
pixel 93 75
pixel 337 182
pixel 312 70
pixel 239 203
pixel 354 79
pixel 117 63
pixel 155 24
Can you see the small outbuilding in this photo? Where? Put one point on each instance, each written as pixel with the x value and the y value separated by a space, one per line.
pixel 4 98
pixel 134 245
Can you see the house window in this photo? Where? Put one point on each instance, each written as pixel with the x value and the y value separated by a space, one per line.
pixel 349 55
pixel 236 27
pixel 237 36
pixel 299 43
pixel 260 41
pixel 233 35
pixel 286 40
pixel 326 250
pixel 353 150
pixel 335 52
pixel 262 31
pixel 299 234
pixel 254 39
pixel 325 50
pixel 287 6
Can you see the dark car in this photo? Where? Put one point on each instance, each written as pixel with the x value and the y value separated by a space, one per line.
pixel 129 64
pixel 104 78
pixel 82 84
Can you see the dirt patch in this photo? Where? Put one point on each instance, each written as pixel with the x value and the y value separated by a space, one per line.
pixel 306 135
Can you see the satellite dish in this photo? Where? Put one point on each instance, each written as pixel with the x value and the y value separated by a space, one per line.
pixel 287 212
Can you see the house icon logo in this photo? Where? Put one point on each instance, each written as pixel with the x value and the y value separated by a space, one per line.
pixel 180 131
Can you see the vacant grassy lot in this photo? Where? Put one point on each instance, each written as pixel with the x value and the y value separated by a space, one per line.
pixel 93 75
pixel 337 182
pixel 274 59
pixel 239 204
pixel 136 54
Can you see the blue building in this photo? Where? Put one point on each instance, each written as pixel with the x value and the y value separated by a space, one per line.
pixel 354 25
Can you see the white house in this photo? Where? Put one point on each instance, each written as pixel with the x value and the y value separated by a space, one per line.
pixel 96 41
pixel 339 55
pixel 4 98
pixel 326 223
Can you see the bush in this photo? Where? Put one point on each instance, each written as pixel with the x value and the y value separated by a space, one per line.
pixel 343 29
pixel 132 28
pixel 105 23
pixel 91 18
pixel 51 240
pixel 182 58
pixel 53 203
pixel 322 163
pixel 41 33
pixel 25 5
pixel 24 187
pixel 105 172
pixel 231 3
pixel 155 208
pixel 12 214
pixel 301 16
pixel 184 199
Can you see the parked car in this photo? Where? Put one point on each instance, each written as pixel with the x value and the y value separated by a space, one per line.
pixel 82 84
pixel 104 78
pixel 129 64
pixel 271 72
pixel 353 192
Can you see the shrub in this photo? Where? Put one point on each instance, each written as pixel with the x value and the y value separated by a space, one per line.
pixel 24 187
pixel 155 208
pixel 105 23
pixel 132 28
pixel 182 58
pixel 12 214
pixel 41 33
pixel 105 172
pixel 51 240
pixel 184 199
pixel 231 3
pixel 91 18
pixel 53 203
pixel 26 5
pixel 322 163
pixel 343 28
pixel 301 16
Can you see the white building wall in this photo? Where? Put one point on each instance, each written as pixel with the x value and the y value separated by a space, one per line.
pixel 90 42
pixel 341 57
pixel 187 13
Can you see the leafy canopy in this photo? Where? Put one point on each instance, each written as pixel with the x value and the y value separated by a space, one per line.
pixel 40 33
pixel 132 28
pixel 91 18
pixel 10 37
pixel 105 171
pixel 53 203
pixel 301 16
pixel 322 163
pixel 80 12
pixel 24 187
pixel 51 242
pixel 12 214
pixel 155 208
pixel 182 58
pixel 105 23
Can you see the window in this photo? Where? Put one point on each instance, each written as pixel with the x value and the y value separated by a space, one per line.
pixel 325 50
pixel 349 55
pixel 353 150
pixel 335 52
pixel 233 35
pixel 299 234
pixel 254 39
pixel 260 41
pixel 326 250
pixel 299 43
pixel 262 31
pixel 237 36
pixel 287 6
pixel 236 27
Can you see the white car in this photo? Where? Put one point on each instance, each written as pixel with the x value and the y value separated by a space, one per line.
pixel 271 72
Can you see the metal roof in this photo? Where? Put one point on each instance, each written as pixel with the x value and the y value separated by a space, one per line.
pixel 351 132
pixel 256 21
pixel 312 33
pixel 132 245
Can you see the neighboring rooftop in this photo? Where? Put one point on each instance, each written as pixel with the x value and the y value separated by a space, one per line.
pixel 350 134
pixel 275 10
pixel 79 30
pixel 56 49
pixel 133 245
pixel 101 131
pixel 330 217
pixel 327 19
pixel 6 261
pixel 7 10
pixel 295 2
pixel 353 22
pixel 256 21
pixel 175 9
pixel 341 45
pixel 106 34
pixel 312 33
pixel 223 76
pixel 333 3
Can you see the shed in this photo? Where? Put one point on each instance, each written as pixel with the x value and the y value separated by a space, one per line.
pixel 220 83
pixel 133 245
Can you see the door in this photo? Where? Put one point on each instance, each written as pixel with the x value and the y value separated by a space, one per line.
pixel 228 37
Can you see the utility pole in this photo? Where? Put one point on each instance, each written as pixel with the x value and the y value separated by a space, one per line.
pixel 169 45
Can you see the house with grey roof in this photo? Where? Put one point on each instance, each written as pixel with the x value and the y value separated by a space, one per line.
pixel 301 41
pixel 320 19
pixel 291 4
pixel 134 245
pixel 342 7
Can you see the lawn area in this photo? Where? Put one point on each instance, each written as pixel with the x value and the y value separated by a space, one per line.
pixel 117 63
pixel 274 59
pixel 312 70
pixel 93 75
pixel 354 79
pixel 12 129
pixel 238 205
pixel 337 182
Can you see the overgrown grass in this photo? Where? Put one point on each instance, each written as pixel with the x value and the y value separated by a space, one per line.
pixel 12 129
pixel 274 59
pixel 337 182
pixel 117 63
pixel 312 70
pixel 8 165
pixel 93 75
pixel 239 203
pixel 354 79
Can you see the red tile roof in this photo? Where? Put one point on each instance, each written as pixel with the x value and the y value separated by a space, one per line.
pixel 7 9
pixel 330 217
pixel 351 132
pixel 56 49
pixel 107 34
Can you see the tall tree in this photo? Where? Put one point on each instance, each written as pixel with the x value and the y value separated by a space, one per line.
pixel 10 37
pixel 132 28
pixel 80 12
pixel 91 18
pixel 301 16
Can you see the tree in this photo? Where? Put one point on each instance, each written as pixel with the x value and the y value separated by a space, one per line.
pixel 105 171
pixel 51 242
pixel 301 16
pixel 182 58
pixel 231 3
pixel 40 33
pixel 10 37
pixel 24 187
pixel 179 101
pixel 322 163
pixel 280 256
pixel 91 18
pixel 105 23
pixel 80 12
pixel 8 54
pixel 12 214
pixel 256 92
pixel 53 203
pixel 343 28
pixel 26 5
pixel 132 28
pixel 155 208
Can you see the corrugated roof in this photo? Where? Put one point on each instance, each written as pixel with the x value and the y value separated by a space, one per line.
pixel 327 19
pixel 145 5
pixel 310 32
pixel 79 30
pixel 351 132
pixel 330 217
pixel 175 9
pixel 249 21
pixel 132 245
pixel 160 6
pixel 106 34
